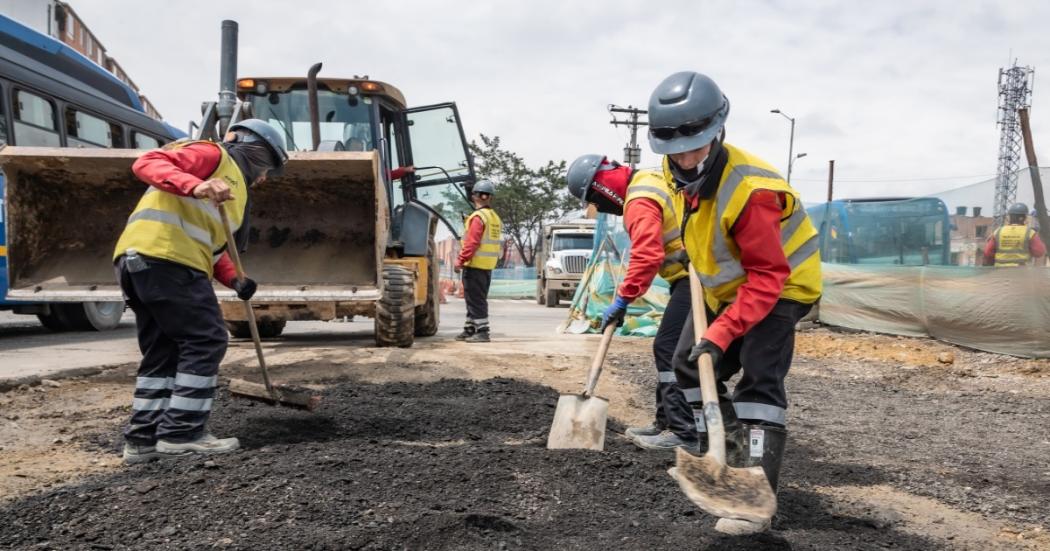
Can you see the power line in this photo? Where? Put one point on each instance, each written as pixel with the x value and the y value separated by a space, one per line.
pixel 891 180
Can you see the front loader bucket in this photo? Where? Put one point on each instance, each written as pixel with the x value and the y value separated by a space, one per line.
pixel 317 231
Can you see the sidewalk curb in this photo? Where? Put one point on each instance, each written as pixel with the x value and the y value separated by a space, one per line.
pixel 11 383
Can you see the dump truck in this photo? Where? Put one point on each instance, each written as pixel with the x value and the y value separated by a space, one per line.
pixel 334 236
pixel 564 253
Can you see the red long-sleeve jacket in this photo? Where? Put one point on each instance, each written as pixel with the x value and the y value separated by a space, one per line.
pixel 471 241
pixel 644 221
pixel 1036 248
pixel 757 234
pixel 178 171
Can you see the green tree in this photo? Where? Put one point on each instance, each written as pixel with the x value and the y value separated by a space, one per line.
pixel 525 197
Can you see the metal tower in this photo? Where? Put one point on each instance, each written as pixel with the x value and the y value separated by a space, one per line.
pixel 1015 92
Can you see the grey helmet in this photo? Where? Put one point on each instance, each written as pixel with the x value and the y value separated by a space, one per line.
pixel 1018 208
pixel 268 134
pixel 686 112
pixel 484 186
pixel 581 174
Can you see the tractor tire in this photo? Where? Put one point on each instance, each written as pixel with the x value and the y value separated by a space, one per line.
pixel 552 299
pixel 267 329
pixel 395 320
pixel 86 316
pixel 428 315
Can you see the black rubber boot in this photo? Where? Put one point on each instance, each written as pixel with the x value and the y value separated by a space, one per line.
pixel 481 335
pixel 761 445
pixel 468 331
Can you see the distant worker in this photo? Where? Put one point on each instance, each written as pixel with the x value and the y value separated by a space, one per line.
pixel 172 246
pixel 478 256
pixel 749 239
pixel 651 211
pixel 1014 243
pixel 401 171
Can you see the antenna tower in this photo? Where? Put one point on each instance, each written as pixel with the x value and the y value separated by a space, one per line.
pixel 1015 92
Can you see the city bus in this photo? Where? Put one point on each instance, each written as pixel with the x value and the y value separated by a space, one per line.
pixel 899 231
pixel 52 96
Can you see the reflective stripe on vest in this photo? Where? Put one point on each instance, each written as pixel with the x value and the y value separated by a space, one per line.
pixel 713 251
pixel 648 184
pixel 490 249
pixel 185 230
pixel 1011 245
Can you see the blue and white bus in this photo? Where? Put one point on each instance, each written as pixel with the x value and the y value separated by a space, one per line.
pixel 51 96
pixel 905 231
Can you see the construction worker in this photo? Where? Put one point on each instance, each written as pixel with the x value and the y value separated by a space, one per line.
pixel 172 246
pixel 1014 243
pixel 749 239
pixel 651 215
pixel 478 255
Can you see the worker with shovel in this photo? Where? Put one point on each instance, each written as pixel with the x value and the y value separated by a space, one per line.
pixel 1014 243
pixel 652 219
pixel 478 256
pixel 172 246
pixel 755 252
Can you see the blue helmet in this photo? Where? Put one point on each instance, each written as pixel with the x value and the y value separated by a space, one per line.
pixel 686 112
pixel 484 186
pixel 268 134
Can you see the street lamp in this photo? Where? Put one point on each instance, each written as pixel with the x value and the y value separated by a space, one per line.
pixel 791 143
pixel 797 157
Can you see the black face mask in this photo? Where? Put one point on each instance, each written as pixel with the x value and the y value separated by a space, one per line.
pixel 253 158
pixel 702 181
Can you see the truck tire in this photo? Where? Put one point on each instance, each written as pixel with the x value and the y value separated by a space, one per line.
pixel 86 316
pixel 552 298
pixel 395 320
pixel 540 298
pixel 428 315
pixel 267 329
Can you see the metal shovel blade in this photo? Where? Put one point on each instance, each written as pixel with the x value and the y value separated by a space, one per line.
pixel 724 491
pixel 579 423
pixel 578 327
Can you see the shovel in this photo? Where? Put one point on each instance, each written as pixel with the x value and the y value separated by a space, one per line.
pixel 266 392
pixel 721 490
pixel 579 420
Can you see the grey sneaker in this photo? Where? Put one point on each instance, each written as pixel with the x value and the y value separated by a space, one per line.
pixel 665 440
pixel 139 453
pixel 206 444
pixel 651 429
pixel 480 336
pixel 738 527
pixel 466 334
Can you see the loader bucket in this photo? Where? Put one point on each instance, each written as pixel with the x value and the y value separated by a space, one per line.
pixel 317 231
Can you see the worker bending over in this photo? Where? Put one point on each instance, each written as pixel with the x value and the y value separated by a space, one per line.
pixel 648 205
pixel 172 246
pixel 1014 243
pixel 478 255
pixel 749 239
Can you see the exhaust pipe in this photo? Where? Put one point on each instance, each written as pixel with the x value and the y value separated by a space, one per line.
pixel 227 76
pixel 315 115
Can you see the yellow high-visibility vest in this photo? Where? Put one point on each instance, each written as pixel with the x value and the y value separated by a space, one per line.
pixel 185 230
pixel 488 253
pixel 649 184
pixel 715 254
pixel 1011 245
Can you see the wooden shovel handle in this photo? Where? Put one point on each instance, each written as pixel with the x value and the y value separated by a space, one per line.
pixel 599 359
pixel 716 435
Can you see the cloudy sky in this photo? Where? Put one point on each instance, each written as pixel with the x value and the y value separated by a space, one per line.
pixel 902 95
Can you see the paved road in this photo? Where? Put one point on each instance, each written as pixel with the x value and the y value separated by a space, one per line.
pixel 29 352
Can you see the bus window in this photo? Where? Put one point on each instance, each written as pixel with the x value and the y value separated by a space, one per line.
pixel 143 141
pixel 35 121
pixel 84 130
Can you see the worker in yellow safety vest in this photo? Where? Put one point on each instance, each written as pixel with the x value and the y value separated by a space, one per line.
pixel 1014 243
pixel 479 254
pixel 173 245
pixel 755 251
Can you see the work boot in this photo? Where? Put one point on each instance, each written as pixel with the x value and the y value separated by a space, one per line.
pixel 140 453
pixel 481 335
pixel 763 445
pixel 206 444
pixel 665 440
pixel 468 331
pixel 652 429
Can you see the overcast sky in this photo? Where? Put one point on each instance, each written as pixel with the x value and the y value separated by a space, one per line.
pixel 893 91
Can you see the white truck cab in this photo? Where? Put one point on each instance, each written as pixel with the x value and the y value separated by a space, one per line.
pixel 564 255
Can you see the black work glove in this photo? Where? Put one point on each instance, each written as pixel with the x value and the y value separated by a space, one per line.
pixel 245 288
pixel 708 347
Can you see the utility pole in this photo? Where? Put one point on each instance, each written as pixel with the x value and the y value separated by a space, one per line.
pixel 831 179
pixel 632 154
pixel 1037 181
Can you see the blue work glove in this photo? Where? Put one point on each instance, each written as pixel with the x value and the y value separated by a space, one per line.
pixel 708 347
pixel 245 288
pixel 615 313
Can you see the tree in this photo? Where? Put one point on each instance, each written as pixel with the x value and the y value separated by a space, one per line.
pixel 525 197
